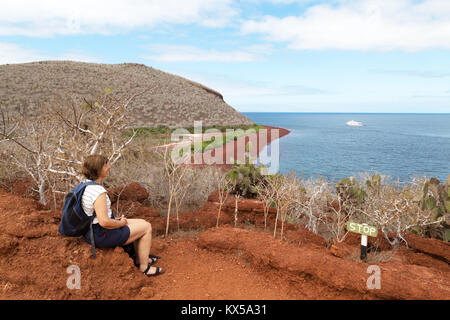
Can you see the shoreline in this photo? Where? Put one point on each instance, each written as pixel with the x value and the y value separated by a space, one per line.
pixel 233 145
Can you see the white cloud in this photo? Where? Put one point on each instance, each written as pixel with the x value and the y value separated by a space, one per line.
pixel 243 89
pixel 76 56
pixel 51 17
pixel 237 88
pixel 181 53
pixel 379 25
pixel 12 53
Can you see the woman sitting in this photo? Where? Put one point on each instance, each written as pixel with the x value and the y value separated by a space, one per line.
pixel 110 232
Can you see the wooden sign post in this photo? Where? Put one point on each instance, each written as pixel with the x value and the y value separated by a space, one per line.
pixel 365 230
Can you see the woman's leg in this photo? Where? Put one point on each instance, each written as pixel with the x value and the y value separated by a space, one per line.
pixel 141 235
pixel 138 228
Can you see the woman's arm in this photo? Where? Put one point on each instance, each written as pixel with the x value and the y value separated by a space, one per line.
pixel 101 210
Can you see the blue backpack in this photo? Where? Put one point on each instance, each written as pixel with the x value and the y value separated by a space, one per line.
pixel 74 221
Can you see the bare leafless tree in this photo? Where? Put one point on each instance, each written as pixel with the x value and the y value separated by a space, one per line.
pixel 287 197
pixel 93 127
pixel 187 179
pixel 35 137
pixel 394 210
pixel 267 196
pixel 237 196
pixel 8 124
pixel 313 200
pixel 56 141
pixel 174 171
pixel 340 212
pixel 275 183
pixel 222 184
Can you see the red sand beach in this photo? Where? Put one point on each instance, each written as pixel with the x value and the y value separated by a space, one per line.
pixel 236 149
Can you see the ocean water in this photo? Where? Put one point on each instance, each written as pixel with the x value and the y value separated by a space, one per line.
pixel 397 145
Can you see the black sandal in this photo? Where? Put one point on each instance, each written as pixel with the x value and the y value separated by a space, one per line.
pixel 152 257
pixel 158 271
pixel 129 249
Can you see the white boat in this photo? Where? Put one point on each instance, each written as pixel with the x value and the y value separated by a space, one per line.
pixel 353 123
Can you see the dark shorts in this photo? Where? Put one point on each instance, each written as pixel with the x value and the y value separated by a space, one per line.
pixel 108 238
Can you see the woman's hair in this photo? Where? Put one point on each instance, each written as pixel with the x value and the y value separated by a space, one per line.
pixel 92 166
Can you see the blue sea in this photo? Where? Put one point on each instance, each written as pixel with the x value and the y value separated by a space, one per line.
pixel 396 145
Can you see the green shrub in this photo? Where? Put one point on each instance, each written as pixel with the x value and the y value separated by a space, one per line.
pixel 244 178
pixel 436 198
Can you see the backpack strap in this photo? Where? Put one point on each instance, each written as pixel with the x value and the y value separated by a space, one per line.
pixel 91 230
pixel 90 182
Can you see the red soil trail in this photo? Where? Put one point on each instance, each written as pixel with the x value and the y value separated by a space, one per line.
pixel 399 281
pixel 197 273
pixel 204 262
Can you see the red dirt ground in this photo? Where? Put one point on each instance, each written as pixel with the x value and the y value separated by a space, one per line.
pixel 204 262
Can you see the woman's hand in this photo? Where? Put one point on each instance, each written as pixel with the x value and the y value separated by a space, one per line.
pixel 123 220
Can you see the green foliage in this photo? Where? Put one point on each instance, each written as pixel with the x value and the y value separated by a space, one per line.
pixel 215 142
pixel 223 129
pixel 161 129
pixel 374 184
pixel 349 189
pixel 107 91
pixel 436 198
pixel 430 203
pixel 244 178
pixel 85 106
pixel 447 235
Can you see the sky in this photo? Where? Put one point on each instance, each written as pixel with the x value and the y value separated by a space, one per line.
pixel 262 55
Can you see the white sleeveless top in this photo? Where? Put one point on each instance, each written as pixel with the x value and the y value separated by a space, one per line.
pixel 91 194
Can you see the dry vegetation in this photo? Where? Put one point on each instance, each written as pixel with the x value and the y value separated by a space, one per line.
pixel 325 208
pixel 169 100
pixel 420 206
pixel 50 148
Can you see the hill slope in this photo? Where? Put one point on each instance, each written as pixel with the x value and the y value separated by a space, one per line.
pixel 171 100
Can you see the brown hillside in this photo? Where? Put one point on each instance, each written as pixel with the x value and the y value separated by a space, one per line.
pixel 171 100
